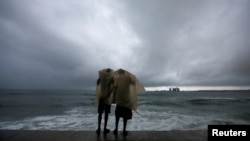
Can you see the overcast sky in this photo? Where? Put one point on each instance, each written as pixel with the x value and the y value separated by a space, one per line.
pixel 63 43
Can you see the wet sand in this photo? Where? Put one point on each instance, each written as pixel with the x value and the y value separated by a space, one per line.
pixel 43 135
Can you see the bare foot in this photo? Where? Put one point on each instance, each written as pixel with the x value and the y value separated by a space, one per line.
pixel 106 131
pixel 115 132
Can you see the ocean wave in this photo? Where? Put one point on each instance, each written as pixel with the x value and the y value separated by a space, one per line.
pixel 76 111
pixel 217 101
pixel 146 119
pixel 75 119
pixel 56 105
pixel 244 116
pixel 159 104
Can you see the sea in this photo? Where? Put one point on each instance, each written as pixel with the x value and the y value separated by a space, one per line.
pixel 157 110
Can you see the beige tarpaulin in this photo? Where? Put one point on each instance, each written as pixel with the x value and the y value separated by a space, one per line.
pixel 103 88
pixel 127 88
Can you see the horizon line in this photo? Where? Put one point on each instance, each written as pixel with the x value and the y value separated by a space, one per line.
pixel 197 88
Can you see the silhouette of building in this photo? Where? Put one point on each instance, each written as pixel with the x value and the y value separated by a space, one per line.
pixel 174 89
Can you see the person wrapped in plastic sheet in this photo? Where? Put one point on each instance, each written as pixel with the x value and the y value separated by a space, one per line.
pixel 125 90
pixel 104 97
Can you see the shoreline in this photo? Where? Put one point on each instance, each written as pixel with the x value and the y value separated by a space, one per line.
pixel 53 135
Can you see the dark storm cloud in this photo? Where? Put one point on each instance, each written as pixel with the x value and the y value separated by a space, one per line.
pixel 62 44
pixel 193 42
pixel 33 55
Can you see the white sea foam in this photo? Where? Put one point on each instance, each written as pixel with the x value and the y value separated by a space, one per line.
pixel 156 112
pixel 80 119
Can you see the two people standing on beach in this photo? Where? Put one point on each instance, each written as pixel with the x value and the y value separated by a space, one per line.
pixel 119 87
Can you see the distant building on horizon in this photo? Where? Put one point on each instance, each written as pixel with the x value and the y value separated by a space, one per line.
pixel 174 89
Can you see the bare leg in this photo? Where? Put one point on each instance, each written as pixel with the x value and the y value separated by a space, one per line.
pixel 116 124
pixel 105 121
pixel 106 131
pixel 99 123
pixel 125 126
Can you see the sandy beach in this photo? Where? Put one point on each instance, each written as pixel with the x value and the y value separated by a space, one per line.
pixel 42 135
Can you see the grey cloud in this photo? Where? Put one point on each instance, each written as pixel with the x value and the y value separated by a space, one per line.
pixel 47 44
pixel 196 41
